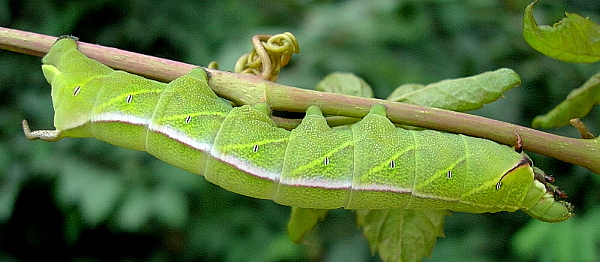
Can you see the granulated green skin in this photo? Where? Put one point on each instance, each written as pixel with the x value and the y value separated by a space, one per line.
pixel 372 165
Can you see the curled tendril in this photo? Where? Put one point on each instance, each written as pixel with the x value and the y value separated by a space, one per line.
pixel 269 55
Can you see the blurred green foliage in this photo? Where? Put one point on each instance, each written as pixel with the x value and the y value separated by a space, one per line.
pixel 84 199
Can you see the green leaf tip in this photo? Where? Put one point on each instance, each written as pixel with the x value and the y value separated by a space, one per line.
pixel 345 83
pixel 302 221
pixel 577 104
pixel 461 94
pixel 574 39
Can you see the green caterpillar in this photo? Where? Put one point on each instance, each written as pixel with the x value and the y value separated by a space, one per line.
pixel 372 165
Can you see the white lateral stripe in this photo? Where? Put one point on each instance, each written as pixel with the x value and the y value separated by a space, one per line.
pixel 316 182
pixel 380 187
pixel 207 147
pixel 181 137
pixel 247 166
pixel 119 117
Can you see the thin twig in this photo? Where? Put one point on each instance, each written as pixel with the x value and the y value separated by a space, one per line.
pixel 246 89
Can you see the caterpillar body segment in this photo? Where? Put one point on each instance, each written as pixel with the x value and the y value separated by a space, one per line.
pixel 372 165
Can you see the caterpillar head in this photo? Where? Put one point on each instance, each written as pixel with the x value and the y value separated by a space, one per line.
pixel 74 80
pixel 547 204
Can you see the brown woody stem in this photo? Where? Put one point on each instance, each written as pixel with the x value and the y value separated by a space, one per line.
pixel 246 89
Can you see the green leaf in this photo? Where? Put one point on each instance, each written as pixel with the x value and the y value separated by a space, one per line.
pixel 402 235
pixel 302 220
pixel 577 104
pixel 170 206
pixel 280 248
pixel 577 239
pixel 463 94
pixel 95 191
pixel 345 83
pixel 10 184
pixel 574 39
pixel 135 210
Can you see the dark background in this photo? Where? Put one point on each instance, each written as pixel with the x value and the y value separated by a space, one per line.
pixel 81 199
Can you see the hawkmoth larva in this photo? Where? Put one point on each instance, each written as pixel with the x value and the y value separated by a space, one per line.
pixel 371 165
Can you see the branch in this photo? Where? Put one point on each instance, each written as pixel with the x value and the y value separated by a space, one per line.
pixel 247 89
